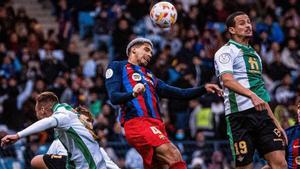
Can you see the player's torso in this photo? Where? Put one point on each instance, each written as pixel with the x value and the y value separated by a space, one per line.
pixel 145 105
pixel 57 148
pixel 247 70
pixel 82 148
pixel 293 149
pixel 83 151
pixel 132 74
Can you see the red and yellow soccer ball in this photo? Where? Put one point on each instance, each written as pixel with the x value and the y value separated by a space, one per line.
pixel 163 14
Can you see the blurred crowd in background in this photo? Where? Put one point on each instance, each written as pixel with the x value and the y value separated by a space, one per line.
pixel 32 61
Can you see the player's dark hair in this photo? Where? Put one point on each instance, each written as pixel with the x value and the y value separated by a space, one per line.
pixel 230 22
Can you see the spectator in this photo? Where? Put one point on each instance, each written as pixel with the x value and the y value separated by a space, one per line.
pixel 291 54
pixel 283 92
pixel 277 69
pixel 218 161
pixel 272 28
pixel 201 118
pixel 89 67
pixel 133 160
pixel 64 23
pixel 102 32
pixel 121 36
pixel 71 56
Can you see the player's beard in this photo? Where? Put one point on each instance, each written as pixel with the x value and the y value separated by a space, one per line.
pixel 144 62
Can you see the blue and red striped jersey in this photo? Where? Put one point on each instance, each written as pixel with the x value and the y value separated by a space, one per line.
pixel 122 76
pixel 293 148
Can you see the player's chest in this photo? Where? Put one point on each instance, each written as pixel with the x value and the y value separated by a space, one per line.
pixel 133 76
pixel 248 62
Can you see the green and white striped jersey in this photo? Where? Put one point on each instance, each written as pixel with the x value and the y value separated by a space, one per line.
pixel 245 65
pixel 82 148
pixel 57 148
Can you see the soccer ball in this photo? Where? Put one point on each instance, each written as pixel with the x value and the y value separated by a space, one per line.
pixel 163 14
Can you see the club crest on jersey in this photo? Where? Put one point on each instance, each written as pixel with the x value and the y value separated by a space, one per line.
pixel 109 73
pixel 297 160
pixel 136 77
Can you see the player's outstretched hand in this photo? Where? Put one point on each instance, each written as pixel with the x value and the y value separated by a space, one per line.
pixel 138 89
pixel 213 88
pixel 258 103
pixel 9 139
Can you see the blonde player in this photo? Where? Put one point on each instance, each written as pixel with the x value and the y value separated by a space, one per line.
pixel 83 150
pixel 56 156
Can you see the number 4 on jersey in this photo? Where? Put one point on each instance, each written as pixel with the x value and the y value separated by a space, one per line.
pixel 155 130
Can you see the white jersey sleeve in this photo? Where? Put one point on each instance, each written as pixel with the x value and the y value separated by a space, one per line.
pixel 109 163
pixel 224 59
pixel 57 148
pixel 38 126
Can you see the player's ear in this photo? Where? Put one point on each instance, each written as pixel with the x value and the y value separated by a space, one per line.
pixel 133 50
pixel 231 30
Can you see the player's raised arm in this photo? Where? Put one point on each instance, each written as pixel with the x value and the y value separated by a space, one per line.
pixel 36 127
pixel 224 61
pixel 232 84
pixel 113 84
pixel 165 90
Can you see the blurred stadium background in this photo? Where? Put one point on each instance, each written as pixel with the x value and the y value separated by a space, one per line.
pixel 65 45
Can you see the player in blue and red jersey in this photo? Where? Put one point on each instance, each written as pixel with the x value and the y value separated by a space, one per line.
pixel 293 148
pixel 132 86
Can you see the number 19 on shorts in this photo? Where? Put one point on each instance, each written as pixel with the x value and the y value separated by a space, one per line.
pixel 240 147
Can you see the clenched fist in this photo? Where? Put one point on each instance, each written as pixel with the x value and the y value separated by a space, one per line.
pixel 138 89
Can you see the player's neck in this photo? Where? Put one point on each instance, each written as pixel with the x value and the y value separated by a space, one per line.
pixel 241 40
pixel 132 60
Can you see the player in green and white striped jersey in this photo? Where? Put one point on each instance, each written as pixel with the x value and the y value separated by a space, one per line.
pixel 83 150
pixel 250 122
pixel 245 65
pixel 57 153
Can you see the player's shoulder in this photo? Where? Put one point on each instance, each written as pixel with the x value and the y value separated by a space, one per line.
pixel 63 109
pixel 293 129
pixel 228 48
pixel 62 106
pixel 115 68
pixel 114 64
pixel 293 132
